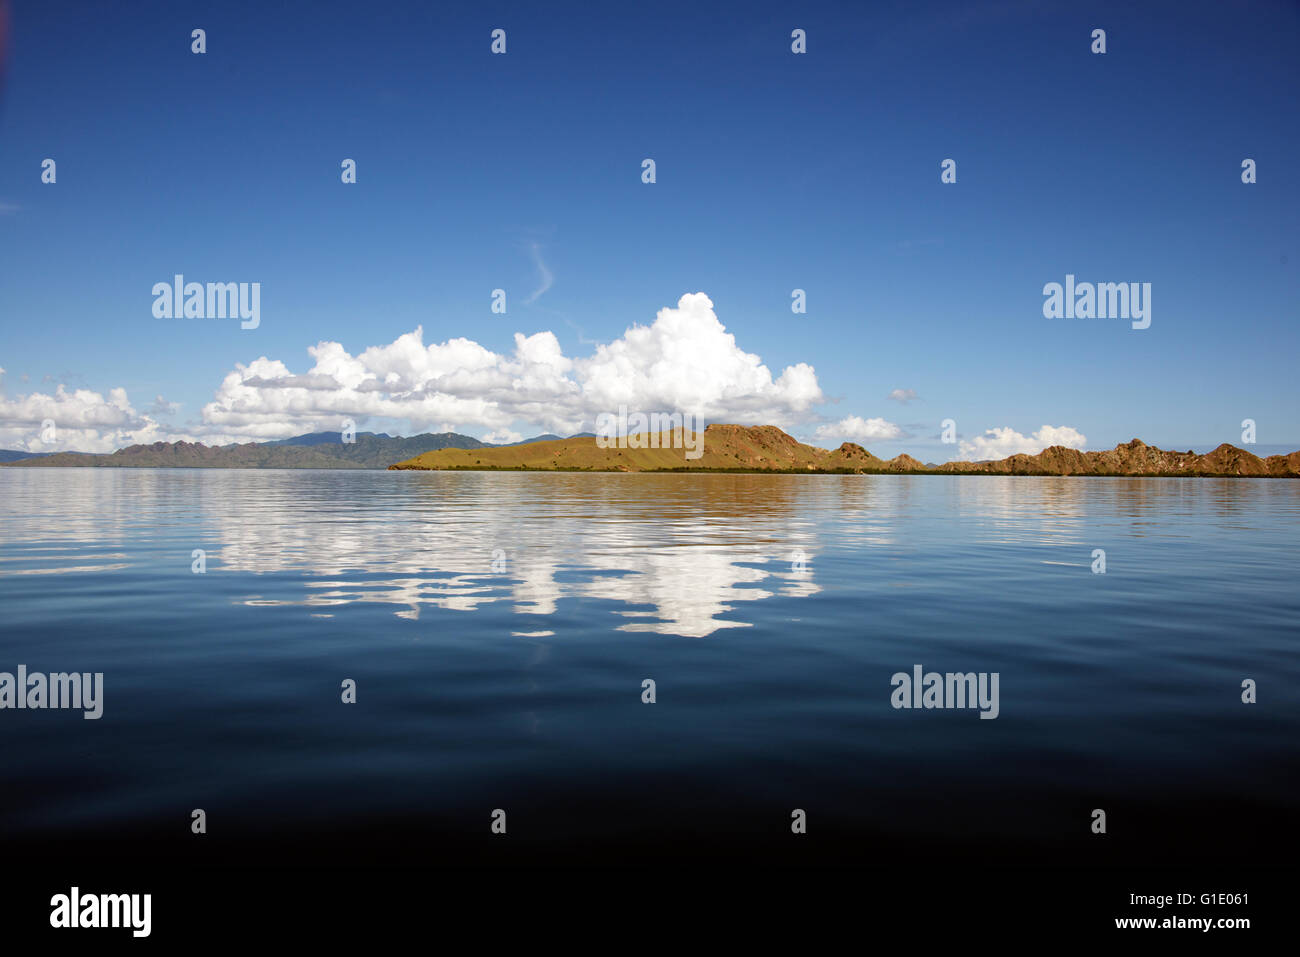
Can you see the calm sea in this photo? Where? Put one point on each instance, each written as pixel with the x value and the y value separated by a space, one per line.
pixel 499 629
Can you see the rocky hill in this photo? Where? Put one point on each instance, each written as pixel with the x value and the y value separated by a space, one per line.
pixel 766 448
pixel 1136 458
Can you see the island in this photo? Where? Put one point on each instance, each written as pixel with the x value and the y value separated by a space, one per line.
pixel 766 448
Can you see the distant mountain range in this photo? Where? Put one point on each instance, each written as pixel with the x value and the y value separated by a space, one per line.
pixel 13 455
pixel 766 448
pixel 318 450
pixel 315 450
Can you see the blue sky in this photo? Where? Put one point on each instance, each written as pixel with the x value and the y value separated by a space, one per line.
pixel 774 171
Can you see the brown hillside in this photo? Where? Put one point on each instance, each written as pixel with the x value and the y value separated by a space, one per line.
pixel 762 448
pixel 766 448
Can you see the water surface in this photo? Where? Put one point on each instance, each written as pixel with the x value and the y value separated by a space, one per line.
pixel 499 628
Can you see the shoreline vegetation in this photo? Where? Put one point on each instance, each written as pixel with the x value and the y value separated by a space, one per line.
pixel 733 449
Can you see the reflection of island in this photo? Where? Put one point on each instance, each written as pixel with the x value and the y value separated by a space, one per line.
pixel 674 560
pixel 765 448
pixel 673 554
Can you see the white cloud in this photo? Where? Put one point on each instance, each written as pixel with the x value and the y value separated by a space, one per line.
pixel 685 361
pixel 162 407
pixel 854 428
pixel 1003 442
pixel 84 421
pixel 903 395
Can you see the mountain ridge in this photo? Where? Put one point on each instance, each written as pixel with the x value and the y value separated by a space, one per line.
pixel 728 448
pixel 312 450
pixel 766 448
pixel 315 450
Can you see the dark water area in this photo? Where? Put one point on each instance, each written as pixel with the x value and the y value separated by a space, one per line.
pixel 499 628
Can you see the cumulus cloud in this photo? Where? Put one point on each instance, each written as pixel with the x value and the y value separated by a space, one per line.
pixel 684 361
pixel 83 421
pixel 903 395
pixel 162 407
pixel 1003 442
pixel 854 428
